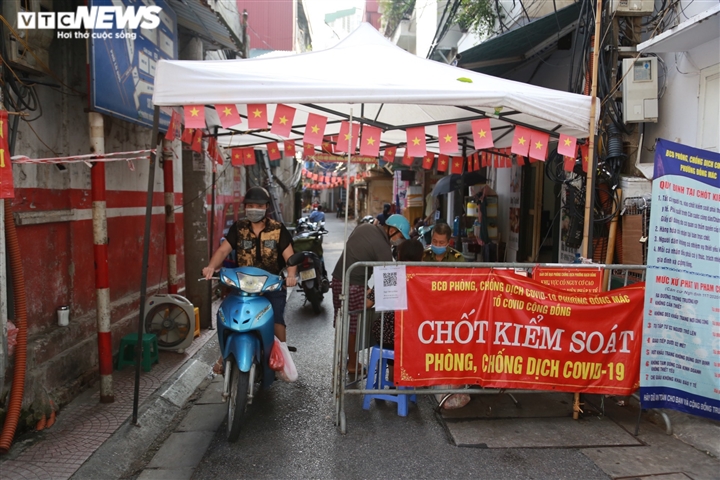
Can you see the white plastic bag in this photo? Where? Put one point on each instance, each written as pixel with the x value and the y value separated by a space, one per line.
pixel 288 372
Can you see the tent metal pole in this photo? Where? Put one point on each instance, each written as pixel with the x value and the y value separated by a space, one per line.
pixel 146 255
pixel 590 184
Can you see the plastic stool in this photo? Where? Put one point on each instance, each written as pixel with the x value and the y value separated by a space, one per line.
pixel 376 381
pixel 197 321
pixel 126 355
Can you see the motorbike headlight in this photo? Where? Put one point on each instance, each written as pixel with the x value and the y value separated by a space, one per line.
pixel 229 281
pixel 251 283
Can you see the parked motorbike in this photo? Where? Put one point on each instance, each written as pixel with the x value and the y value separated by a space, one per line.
pixel 367 219
pixel 311 266
pixel 245 329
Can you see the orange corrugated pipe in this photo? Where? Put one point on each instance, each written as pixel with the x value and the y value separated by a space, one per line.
pixel 18 386
pixel 588 73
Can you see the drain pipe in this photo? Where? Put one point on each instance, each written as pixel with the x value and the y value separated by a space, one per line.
pixel 170 246
pixel 100 250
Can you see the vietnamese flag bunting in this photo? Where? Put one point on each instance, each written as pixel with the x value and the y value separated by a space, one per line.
pixel 229 116
pixel 521 141
pixel 282 121
pixel 520 160
pixel 197 141
pixel 346 137
pixel 585 153
pixel 447 138
pixel 236 157
pixel 289 148
pixel 248 156
pixel 567 146
pixel 194 116
pixel 483 159
pixel 568 163
pixel 187 136
pixel 539 145
pixel 473 164
pixel 407 160
pixel 257 116
pixel 389 154
pixel 308 149
pixel 457 165
pixel 443 161
pixel 315 129
pixel 496 160
pixel 327 146
pixel 370 142
pixel 174 127
pixel 7 190
pixel 428 160
pixel 482 134
pixel 273 151
pixel 212 147
pixel 416 141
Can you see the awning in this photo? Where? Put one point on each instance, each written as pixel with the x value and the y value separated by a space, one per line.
pixel 507 51
pixel 695 31
pixel 209 25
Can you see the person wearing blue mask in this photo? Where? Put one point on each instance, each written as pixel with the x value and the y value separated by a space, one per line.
pixel 440 249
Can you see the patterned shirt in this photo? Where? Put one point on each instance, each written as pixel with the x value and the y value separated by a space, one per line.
pixel 264 251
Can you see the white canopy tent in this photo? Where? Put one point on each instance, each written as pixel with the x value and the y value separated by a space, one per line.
pixel 384 85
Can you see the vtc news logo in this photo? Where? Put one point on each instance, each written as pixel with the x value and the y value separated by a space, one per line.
pixel 92 18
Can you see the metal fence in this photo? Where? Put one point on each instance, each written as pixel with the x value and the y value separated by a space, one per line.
pixel 615 276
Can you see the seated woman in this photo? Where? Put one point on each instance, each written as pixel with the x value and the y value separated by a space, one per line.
pixel 384 325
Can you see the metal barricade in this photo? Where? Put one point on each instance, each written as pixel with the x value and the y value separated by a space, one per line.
pixel 353 384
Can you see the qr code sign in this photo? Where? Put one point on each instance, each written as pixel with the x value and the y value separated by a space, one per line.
pixel 390 279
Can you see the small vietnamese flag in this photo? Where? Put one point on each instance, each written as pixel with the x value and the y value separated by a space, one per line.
pixel 327 145
pixel 520 160
pixel 197 141
pixel 289 148
pixel 585 152
pixel 568 164
pixel 521 141
pixel 567 146
pixel 508 162
pixel 473 163
pixel 315 129
pixel 194 116
pixel 483 159
pixel 212 147
pixel 407 160
pixel 482 134
pixel 282 121
pixel 236 157
pixel 229 116
pixel 428 160
pixel 496 160
pixel 187 136
pixel 174 127
pixel 257 116
pixel 443 161
pixel 273 151
pixel 370 142
pixel 248 156
pixel 346 138
pixel 416 141
pixel 389 154
pixel 447 138
pixel 308 149
pixel 539 145
pixel 457 165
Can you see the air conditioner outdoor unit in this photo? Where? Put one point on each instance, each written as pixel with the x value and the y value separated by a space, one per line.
pixel 633 8
pixel 27 48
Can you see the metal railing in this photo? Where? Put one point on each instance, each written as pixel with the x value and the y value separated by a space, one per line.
pixel 353 383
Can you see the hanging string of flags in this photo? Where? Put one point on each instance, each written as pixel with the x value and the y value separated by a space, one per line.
pixel 318 181
pixel 528 145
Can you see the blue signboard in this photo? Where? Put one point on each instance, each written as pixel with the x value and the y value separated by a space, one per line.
pixel 123 60
pixel 681 327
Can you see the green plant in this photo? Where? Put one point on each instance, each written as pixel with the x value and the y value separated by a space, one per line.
pixel 394 11
pixel 476 16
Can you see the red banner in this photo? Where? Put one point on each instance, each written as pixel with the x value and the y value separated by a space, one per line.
pixel 500 330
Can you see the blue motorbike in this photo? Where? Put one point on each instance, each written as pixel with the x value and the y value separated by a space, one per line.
pixel 245 328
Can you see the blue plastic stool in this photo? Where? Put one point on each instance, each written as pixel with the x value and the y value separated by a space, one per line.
pixel 376 381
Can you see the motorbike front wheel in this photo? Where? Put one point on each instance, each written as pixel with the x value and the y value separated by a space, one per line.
pixel 239 384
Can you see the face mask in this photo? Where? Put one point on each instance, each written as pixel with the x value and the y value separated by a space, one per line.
pixel 255 214
pixel 397 242
pixel 438 250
